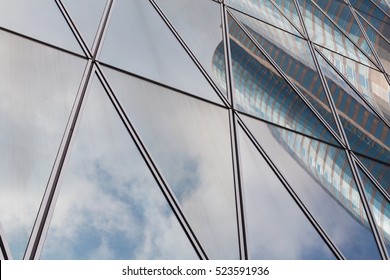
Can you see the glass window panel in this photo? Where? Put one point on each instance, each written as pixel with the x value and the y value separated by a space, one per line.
pixel 109 205
pixel 38 86
pixel 199 24
pixel 276 228
pixel 290 11
pixel 374 16
pixel 293 56
pixel 379 170
pixel 370 83
pixel 39 19
pixel 138 41
pixel 263 10
pixel 366 133
pixel 380 208
pixel 323 32
pixel 190 142
pixel 86 14
pixel 261 91
pixel 342 15
pixel 384 5
pixel 326 186
pixel 381 46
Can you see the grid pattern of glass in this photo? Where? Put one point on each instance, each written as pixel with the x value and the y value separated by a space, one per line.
pixel 182 129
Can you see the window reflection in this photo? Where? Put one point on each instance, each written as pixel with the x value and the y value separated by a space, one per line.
pixel 38 86
pixel 276 228
pixel 261 91
pixel 109 205
pixel 190 142
pixel 321 177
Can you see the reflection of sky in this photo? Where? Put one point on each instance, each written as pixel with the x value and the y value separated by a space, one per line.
pixel 138 41
pixel 309 181
pixel 110 206
pixel 199 24
pixel 27 18
pixel 190 142
pixel 86 22
pixel 329 173
pixel 37 89
pixel 276 227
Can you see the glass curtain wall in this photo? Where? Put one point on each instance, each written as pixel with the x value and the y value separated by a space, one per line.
pixel 181 129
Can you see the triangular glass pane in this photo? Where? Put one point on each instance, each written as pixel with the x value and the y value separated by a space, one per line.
pixel 189 140
pixel 86 14
pixel 261 91
pixel 369 82
pixel 384 5
pixel 139 41
pixel 39 19
pixel 380 208
pixel 109 205
pixel 379 170
pixel 324 33
pixel 321 177
pixel 367 134
pixel 199 24
pixel 340 13
pixel 293 56
pixel 266 200
pixel 38 86
pixel 263 10
pixel 381 46
pixel 374 16
pixel 289 10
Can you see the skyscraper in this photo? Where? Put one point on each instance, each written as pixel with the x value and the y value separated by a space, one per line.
pixel 179 129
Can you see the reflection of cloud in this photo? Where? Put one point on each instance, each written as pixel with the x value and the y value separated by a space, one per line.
pixel 37 89
pixel 190 142
pixel 48 26
pixel 309 180
pixel 277 228
pixel 109 206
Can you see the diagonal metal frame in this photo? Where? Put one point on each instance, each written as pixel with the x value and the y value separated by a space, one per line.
pixel 161 181
pixel 291 84
pixel 189 52
pixel 370 217
pixel 240 209
pixel 325 237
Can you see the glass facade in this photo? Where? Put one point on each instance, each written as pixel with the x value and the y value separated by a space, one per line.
pixel 182 129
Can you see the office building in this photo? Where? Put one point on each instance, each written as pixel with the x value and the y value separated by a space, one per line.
pixel 180 129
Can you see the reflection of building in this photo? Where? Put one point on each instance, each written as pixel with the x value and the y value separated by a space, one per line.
pixel 118 147
pixel 274 105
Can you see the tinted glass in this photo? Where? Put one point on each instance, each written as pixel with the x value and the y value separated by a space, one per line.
pixel 38 86
pixel 290 11
pixel 367 134
pixel 321 177
pixel 374 16
pixel 139 41
pixel 263 10
pixel 381 46
pixel 39 19
pixel 323 32
pixel 369 82
pixel 86 14
pixel 380 170
pixel 340 13
pixel 293 56
pixel 190 142
pixel 261 91
pixel 109 205
pixel 380 208
pixel 199 24
pixel 276 228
